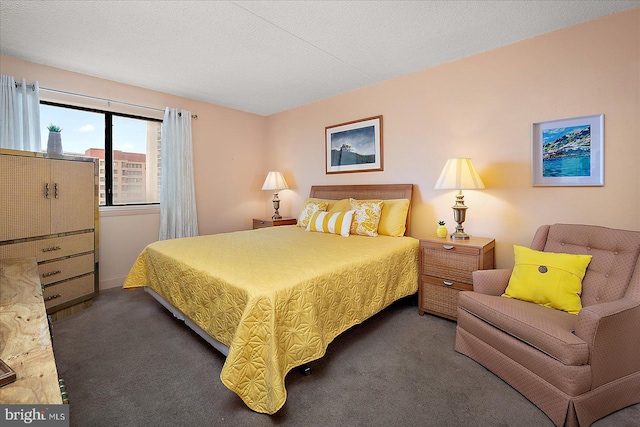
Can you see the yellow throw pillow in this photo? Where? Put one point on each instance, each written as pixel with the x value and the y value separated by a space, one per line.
pixel 548 278
pixel 393 219
pixel 339 206
pixel 366 217
pixel 335 223
pixel 309 208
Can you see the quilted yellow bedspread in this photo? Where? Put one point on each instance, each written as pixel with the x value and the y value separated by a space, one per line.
pixel 276 296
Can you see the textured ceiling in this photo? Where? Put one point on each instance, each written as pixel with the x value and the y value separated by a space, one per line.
pixel 268 56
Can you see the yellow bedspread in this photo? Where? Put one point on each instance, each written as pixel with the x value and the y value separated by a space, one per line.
pixel 276 296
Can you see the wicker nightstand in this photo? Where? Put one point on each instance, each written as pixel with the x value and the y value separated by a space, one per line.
pixel 262 223
pixel 445 269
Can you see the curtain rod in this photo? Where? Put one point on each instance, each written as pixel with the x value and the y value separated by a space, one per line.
pixel 32 87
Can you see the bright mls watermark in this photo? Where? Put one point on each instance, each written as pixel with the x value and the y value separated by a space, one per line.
pixel 37 415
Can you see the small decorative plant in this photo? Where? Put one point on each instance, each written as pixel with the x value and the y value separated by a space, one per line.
pixel 442 230
pixel 54 143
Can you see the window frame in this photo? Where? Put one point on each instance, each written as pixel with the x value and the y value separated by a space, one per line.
pixel 108 148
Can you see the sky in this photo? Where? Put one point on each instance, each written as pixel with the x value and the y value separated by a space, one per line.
pixel 361 140
pixel 84 129
pixel 552 135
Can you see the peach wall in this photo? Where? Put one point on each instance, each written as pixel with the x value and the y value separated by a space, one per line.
pixel 480 107
pixel 483 107
pixel 228 150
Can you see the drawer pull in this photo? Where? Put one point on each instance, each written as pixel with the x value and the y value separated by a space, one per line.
pixel 448 247
pixel 447 283
pixel 53 248
pixel 261 222
pixel 51 273
pixel 53 297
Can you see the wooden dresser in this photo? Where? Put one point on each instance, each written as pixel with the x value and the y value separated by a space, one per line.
pixel 26 341
pixel 49 210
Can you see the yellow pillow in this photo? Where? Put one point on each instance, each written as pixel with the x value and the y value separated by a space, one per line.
pixel 309 207
pixel 335 223
pixel 339 206
pixel 393 219
pixel 547 278
pixel 366 217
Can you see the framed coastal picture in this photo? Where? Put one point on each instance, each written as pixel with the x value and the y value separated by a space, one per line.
pixel 568 152
pixel 354 146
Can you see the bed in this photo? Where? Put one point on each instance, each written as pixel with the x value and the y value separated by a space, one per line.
pixel 273 299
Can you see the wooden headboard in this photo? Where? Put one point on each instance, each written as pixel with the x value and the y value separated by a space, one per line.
pixel 363 192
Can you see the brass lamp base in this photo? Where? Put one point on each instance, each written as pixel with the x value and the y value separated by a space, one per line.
pixel 459 215
pixel 459 235
pixel 276 206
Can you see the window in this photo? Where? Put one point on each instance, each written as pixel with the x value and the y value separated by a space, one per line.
pixel 127 146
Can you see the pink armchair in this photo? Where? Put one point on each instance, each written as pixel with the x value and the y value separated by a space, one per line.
pixel 575 368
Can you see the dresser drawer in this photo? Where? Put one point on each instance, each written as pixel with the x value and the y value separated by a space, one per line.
pixel 67 291
pixel 55 271
pixel 46 249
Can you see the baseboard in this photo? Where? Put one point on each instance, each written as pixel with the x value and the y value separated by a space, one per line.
pixel 112 283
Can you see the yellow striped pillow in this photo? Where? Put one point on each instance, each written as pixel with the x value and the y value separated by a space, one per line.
pixel 335 223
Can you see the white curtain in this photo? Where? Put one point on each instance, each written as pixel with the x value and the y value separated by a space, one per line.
pixel 177 192
pixel 19 115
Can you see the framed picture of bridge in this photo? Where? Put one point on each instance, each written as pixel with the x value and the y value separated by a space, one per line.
pixel 354 146
pixel 568 152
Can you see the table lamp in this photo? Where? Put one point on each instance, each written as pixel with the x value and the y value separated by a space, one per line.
pixel 459 174
pixel 275 182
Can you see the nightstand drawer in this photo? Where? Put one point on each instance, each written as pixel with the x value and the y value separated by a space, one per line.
pixel 453 265
pixel 439 299
pixel 447 283
pixel 262 223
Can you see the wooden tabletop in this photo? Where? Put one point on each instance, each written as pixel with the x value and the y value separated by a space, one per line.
pixel 25 341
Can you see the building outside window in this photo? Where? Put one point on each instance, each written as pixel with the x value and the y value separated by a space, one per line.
pixel 130 144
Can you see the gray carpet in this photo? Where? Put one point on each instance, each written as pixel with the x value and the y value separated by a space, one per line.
pixel 127 362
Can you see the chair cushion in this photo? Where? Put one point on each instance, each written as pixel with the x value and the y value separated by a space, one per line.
pixel 546 329
pixel 550 279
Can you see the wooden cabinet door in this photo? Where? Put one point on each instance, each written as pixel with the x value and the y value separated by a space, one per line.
pixel 24 206
pixel 73 197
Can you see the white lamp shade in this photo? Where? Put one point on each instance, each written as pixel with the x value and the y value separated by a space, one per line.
pixel 275 182
pixel 459 174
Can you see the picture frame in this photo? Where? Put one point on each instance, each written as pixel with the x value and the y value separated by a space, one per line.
pixel 354 146
pixel 7 375
pixel 568 152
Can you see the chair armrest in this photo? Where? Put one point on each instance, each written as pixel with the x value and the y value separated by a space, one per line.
pixel 491 282
pixel 611 331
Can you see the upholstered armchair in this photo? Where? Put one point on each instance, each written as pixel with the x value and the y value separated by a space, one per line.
pixel 575 368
